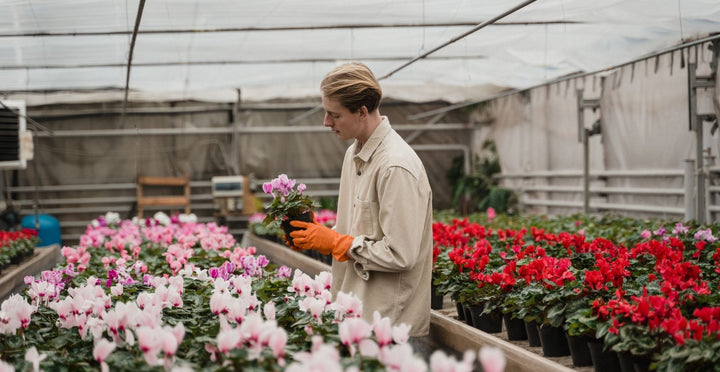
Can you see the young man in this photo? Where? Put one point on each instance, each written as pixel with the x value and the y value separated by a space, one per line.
pixel 382 240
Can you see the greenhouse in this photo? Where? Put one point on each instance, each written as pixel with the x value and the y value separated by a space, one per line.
pixel 485 185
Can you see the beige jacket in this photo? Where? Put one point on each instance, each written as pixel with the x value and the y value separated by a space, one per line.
pixel 385 203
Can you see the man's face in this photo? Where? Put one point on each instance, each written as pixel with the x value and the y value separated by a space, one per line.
pixel 338 118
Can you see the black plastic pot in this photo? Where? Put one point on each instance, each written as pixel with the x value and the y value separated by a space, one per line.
pixel 553 341
pixel 460 311
pixel 490 323
pixel 630 362
pixel 579 350
pixel 285 224
pixel 603 360
pixel 468 315
pixel 531 328
pixel 436 300
pixel 515 328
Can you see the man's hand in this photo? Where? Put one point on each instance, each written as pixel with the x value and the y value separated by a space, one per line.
pixel 321 239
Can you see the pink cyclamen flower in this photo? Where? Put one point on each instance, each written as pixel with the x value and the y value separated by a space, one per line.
pixel 401 358
pixel 150 343
pixel 660 232
pixel 705 235
pixel 492 359
pixel 228 339
pixel 301 187
pixel 646 234
pixel 353 330
pixel 33 357
pixel 312 305
pixel 382 327
pixel 172 337
pixel 269 310
pixel 117 290
pixel 277 343
pixel 401 333
pixel 347 305
pixel 101 351
pixel 16 312
pixel 679 229
pixel 441 362
pixel 491 213
pixel 323 281
pixel 6 367
pixel 284 272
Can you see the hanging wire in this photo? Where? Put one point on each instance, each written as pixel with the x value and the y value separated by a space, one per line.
pixel 545 55
pixel 422 45
pixel 424 55
pixel 30 120
pixel 459 37
pixel 188 52
pixel 141 5
pixel 680 20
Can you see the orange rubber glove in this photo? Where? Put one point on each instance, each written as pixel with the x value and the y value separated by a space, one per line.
pixel 321 239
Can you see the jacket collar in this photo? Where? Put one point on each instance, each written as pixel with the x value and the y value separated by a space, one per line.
pixel 374 141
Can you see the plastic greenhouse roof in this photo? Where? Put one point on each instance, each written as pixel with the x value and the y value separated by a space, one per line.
pixel 282 49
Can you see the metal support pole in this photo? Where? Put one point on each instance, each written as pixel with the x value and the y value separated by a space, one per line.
pixel 586 171
pixel 689 189
pixel 699 175
pixel 696 124
pixel 584 137
pixel 581 115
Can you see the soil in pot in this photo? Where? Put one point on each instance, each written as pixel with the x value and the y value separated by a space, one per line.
pixel 603 360
pixel 515 328
pixel 285 224
pixel 553 341
pixel 531 328
pixel 579 350
pixel 490 323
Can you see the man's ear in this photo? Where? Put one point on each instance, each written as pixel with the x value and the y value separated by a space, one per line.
pixel 363 111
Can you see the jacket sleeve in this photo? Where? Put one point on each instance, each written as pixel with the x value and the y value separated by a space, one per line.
pixel 400 215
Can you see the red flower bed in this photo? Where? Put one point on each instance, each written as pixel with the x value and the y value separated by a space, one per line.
pixel 16 245
pixel 657 295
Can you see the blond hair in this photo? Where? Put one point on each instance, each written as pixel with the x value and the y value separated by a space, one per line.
pixel 354 86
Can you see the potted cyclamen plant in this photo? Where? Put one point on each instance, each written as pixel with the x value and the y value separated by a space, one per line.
pixel 289 203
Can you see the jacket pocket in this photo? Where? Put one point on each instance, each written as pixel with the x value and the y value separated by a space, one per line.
pixel 367 216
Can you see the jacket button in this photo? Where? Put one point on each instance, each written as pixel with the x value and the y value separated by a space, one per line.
pixel 359 173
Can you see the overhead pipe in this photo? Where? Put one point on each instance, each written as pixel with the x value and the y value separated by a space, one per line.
pixel 604 190
pixel 713 38
pixel 282 28
pixel 449 147
pixel 605 206
pixel 229 130
pixel 596 174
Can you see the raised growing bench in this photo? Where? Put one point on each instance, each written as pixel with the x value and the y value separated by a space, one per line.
pixel 446 331
pixel 12 279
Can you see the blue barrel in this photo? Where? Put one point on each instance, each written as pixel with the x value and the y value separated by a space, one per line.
pixel 48 228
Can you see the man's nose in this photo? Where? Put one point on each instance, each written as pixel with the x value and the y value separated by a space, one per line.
pixel 328 121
